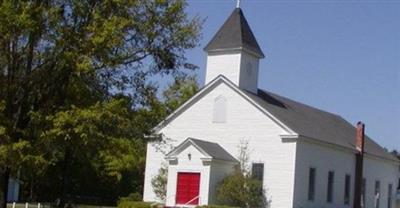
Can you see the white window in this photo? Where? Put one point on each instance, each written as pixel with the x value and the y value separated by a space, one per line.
pixel 219 114
pixel 331 182
pixel 398 186
pixel 249 69
pixel 347 188
pixel 257 171
pixel 377 193
pixel 311 184
pixel 390 194
pixel 364 190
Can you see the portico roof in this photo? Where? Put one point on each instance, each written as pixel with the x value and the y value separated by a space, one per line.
pixel 211 149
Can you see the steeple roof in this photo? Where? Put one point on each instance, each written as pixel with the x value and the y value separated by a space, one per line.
pixel 235 33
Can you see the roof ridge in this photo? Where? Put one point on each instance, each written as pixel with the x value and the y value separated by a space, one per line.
pixel 241 24
pixel 301 103
pixel 200 140
pixel 213 149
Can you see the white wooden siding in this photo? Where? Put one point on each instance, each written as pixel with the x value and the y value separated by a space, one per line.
pixel 194 165
pixel 225 64
pixel 234 67
pixel 342 162
pixel 244 122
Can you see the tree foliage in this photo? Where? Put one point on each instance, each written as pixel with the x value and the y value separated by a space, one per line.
pixel 159 182
pixel 179 92
pixel 240 188
pixel 102 134
pixel 75 91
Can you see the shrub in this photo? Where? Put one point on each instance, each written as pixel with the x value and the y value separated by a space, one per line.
pixel 159 182
pixel 134 196
pixel 133 204
pixel 240 188
pixel 215 206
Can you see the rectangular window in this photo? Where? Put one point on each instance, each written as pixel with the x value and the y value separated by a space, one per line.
pixel 257 171
pixel 219 113
pixel 331 182
pixel 311 184
pixel 390 193
pixel 363 191
pixel 347 182
pixel 398 185
pixel 377 193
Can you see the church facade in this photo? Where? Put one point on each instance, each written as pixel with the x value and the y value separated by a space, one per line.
pixel 305 157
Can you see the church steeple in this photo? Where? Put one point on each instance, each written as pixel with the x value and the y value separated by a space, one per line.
pixel 234 53
pixel 235 33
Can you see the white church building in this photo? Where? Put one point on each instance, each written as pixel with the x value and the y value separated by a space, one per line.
pixel 305 157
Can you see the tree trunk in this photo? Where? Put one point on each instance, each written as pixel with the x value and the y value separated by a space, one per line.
pixel 31 189
pixel 5 179
pixel 65 178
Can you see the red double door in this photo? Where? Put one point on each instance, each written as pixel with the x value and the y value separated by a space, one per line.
pixel 187 189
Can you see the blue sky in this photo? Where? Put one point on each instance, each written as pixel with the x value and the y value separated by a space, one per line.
pixel 339 56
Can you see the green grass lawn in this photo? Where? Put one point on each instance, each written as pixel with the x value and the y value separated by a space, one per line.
pixel 47 205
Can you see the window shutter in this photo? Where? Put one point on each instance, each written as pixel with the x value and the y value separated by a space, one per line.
pixel 219 114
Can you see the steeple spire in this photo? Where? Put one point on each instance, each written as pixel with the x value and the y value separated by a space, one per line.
pixel 234 53
pixel 237 3
pixel 235 34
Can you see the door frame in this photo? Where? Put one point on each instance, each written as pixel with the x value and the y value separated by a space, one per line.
pixel 199 173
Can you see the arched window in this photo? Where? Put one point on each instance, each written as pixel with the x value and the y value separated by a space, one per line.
pixel 219 114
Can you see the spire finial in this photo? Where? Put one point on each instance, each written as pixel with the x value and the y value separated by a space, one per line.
pixel 237 3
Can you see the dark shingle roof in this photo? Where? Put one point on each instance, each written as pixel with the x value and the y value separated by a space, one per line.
pixel 314 123
pixel 214 150
pixel 235 33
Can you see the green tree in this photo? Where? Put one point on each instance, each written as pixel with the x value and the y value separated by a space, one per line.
pixel 240 188
pixel 181 90
pixel 101 136
pixel 68 66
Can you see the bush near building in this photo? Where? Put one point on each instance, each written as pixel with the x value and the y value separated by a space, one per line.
pixel 215 206
pixel 133 204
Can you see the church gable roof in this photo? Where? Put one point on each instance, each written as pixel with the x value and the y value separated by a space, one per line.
pixel 314 123
pixel 235 33
pixel 294 117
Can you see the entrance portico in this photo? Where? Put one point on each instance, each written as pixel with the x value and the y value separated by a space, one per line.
pixel 195 167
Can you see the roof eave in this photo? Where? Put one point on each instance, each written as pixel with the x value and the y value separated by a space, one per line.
pixel 258 54
pixel 348 149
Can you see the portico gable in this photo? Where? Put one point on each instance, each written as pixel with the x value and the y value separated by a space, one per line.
pixel 192 172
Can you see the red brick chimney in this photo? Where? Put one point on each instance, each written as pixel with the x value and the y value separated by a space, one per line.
pixel 360 137
pixel 360 140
